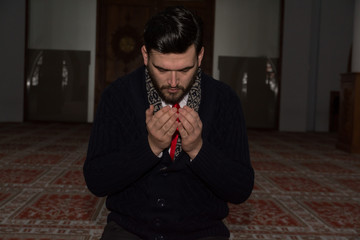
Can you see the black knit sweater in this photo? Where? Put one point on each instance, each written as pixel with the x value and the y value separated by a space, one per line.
pixel 155 197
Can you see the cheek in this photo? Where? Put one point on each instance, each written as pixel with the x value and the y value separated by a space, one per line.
pixel 161 79
pixel 186 79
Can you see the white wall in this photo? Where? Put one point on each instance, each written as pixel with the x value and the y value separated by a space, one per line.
pixel 246 28
pixel 355 67
pixel 296 67
pixel 316 46
pixel 336 31
pixel 12 48
pixel 65 25
pixel 317 36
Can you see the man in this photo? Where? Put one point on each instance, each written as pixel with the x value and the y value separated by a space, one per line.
pixel 168 173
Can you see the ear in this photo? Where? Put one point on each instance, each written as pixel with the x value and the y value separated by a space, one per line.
pixel 200 56
pixel 145 55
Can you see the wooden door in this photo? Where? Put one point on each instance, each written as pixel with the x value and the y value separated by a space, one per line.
pixel 120 24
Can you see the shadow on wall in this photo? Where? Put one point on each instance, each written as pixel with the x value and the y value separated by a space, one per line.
pixel 255 80
pixel 57 85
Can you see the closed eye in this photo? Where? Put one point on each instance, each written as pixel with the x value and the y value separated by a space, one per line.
pixel 162 70
pixel 183 70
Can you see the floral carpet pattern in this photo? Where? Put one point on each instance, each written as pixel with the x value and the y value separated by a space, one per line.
pixel 305 188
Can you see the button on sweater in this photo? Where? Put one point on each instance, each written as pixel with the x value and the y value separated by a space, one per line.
pixel 151 196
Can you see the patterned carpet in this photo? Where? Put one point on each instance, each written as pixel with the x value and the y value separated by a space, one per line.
pixel 305 187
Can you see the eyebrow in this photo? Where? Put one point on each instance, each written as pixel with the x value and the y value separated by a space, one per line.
pixel 182 69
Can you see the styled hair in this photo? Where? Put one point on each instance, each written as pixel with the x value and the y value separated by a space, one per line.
pixel 173 30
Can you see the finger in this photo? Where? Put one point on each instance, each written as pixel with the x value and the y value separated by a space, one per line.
pixel 149 113
pixel 187 125
pixel 191 111
pixel 192 116
pixel 182 131
pixel 188 114
pixel 170 125
pixel 165 119
pixel 160 115
pixel 162 111
pixel 187 119
pixel 173 128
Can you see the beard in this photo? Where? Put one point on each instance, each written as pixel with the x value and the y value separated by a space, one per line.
pixel 171 98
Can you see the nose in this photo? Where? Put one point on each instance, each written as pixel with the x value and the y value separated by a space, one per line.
pixel 173 81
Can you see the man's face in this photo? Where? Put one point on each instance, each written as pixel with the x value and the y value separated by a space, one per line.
pixel 173 74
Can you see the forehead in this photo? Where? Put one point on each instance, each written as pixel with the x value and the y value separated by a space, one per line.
pixel 174 61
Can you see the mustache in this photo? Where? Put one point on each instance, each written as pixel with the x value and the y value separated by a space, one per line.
pixel 170 87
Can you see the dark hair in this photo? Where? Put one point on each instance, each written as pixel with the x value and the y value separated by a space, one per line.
pixel 173 30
